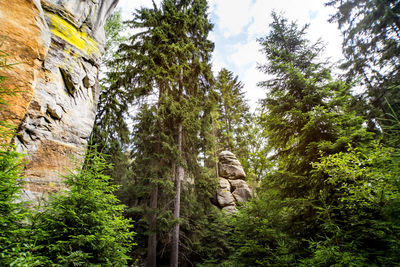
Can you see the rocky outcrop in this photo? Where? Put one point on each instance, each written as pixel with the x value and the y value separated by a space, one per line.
pixel 57 45
pixel 229 167
pixel 232 189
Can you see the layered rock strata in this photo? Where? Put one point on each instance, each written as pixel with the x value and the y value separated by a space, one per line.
pixel 232 189
pixel 57 45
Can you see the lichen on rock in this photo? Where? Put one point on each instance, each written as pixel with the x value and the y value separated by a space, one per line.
pixel 67 32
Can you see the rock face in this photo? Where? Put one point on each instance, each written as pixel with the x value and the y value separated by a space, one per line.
pixel 232 188
pixel 57 45
pixel 229 167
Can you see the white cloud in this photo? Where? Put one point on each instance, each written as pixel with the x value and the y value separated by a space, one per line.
pixel 246 54
pixel 211 5
pixel 237 25
pixel 233 16
pixel 128 6
pixel 250 78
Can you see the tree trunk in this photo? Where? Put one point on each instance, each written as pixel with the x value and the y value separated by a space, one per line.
pixel 177 203
pixel 151 260
pixel 215 159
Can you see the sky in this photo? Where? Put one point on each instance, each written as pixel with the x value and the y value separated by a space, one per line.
pixel 238 24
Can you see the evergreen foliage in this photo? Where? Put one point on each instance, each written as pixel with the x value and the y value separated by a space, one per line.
pixel 327 195
pixel 360 224
pixel 166 68
pixel 371 32
pixel 234 114
pixel 111 133
pixel 84 224
pixel 110 130
pixel 306 111
pixel 12 211
pixel 257 163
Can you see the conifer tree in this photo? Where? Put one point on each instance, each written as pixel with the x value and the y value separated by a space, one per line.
pixel 306 110
pixel 371 31
pixel 84 225
pixel 110 129
pixel 234 115
pixel 111 134
pixel 110 125
pixel 306 113
pixel 169 61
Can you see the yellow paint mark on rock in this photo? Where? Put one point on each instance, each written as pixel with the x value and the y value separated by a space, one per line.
pixel 66 31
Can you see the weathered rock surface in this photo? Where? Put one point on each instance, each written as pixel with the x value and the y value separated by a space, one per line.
pixel 240 190
pixel 224 184
pixel 230 209
pixel 57 45
pixel 224 195
pixel 229 167
pixel 242 194
pixel 232 189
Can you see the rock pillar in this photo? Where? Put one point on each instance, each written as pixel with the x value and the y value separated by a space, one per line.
pixel 232 188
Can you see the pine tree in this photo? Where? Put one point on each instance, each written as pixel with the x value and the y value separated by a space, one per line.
pixel 169 61
pixel 110 127
pixel 306 110
pixel 152 191
pixel 305 114
pixel 84 225
pixel 371 41
pixel 13 211
pixel 234 115
pixel 111 133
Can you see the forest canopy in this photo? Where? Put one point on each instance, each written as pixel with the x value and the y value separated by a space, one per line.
pixel 322 161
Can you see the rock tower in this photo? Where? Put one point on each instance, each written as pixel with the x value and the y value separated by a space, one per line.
pixel 232 188
pixel 57 45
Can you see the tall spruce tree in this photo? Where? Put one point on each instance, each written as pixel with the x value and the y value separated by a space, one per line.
pixel 306 110
pixel 168 61
pixel 110 125
pixel 111 134
pixel 234 115
pixel 371 46
pixel 306 113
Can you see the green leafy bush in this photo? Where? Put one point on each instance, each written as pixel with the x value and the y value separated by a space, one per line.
pixel 361 225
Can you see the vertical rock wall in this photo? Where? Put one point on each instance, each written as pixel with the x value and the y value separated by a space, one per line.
pixel 57 45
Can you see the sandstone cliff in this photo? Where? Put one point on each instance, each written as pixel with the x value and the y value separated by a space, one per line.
pixel 232 189
pixel 57 45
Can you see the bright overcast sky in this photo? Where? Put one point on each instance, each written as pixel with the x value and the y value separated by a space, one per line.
pixel 238 23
